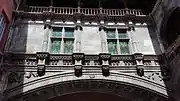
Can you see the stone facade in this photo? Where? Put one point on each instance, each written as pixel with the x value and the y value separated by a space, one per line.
pixel 32 70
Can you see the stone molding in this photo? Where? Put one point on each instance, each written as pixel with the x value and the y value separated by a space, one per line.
pixel 132 82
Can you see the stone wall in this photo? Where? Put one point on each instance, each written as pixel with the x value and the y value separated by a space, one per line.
pixel 28 38
pixel 161 13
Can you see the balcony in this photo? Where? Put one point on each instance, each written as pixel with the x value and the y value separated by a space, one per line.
pixel 85 11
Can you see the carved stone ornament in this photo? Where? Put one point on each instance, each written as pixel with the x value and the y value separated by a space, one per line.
pixel 41 70
pixel 78 70
pixel 105 70
pixel 28 75
pixel 140 70
pixel 15 77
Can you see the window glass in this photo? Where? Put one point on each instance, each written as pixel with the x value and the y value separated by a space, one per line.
pixel 112 47
pixel 55 46
pixel 124 47
pixel 68 46
pixel 57 32
pixel 111 34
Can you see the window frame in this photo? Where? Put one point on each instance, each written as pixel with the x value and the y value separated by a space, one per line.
pixel 62 38
pixel 118 40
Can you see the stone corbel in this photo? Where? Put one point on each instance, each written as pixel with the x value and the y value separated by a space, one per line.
pixel 41 69
pixel 78 59
pixel 105 61
pixel 42 61
pixel 139 63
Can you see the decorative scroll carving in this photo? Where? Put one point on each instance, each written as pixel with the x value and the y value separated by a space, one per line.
pixel 28 75
pixel 18 77
pixel 155 76
pixel 15 77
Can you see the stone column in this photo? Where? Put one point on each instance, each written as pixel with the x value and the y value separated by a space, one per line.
pixel 134 42
pixel 103 39
pixel 46 38
pixel 78 39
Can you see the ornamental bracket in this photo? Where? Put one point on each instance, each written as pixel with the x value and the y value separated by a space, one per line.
pixel 105 61
pixel 78 59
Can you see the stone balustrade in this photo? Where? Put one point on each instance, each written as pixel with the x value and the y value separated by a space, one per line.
pixel 85 11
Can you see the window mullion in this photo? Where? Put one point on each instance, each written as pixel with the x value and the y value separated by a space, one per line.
pixel 62 42
pixel 49 40
pixel 118 46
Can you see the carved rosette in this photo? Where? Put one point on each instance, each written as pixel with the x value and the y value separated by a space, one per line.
pixel 42 61
pixel 139 63
pixel 78 58
pixel 105 61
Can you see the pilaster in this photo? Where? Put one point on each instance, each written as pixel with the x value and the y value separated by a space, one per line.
pixel 103 39
pixel 46 37
pixel 134 43
pixel 78 33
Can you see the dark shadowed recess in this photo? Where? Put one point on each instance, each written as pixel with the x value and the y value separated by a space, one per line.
pixel 88 97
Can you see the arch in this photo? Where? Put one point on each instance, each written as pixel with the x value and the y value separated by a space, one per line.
pixel 167 29
pixel 124 85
